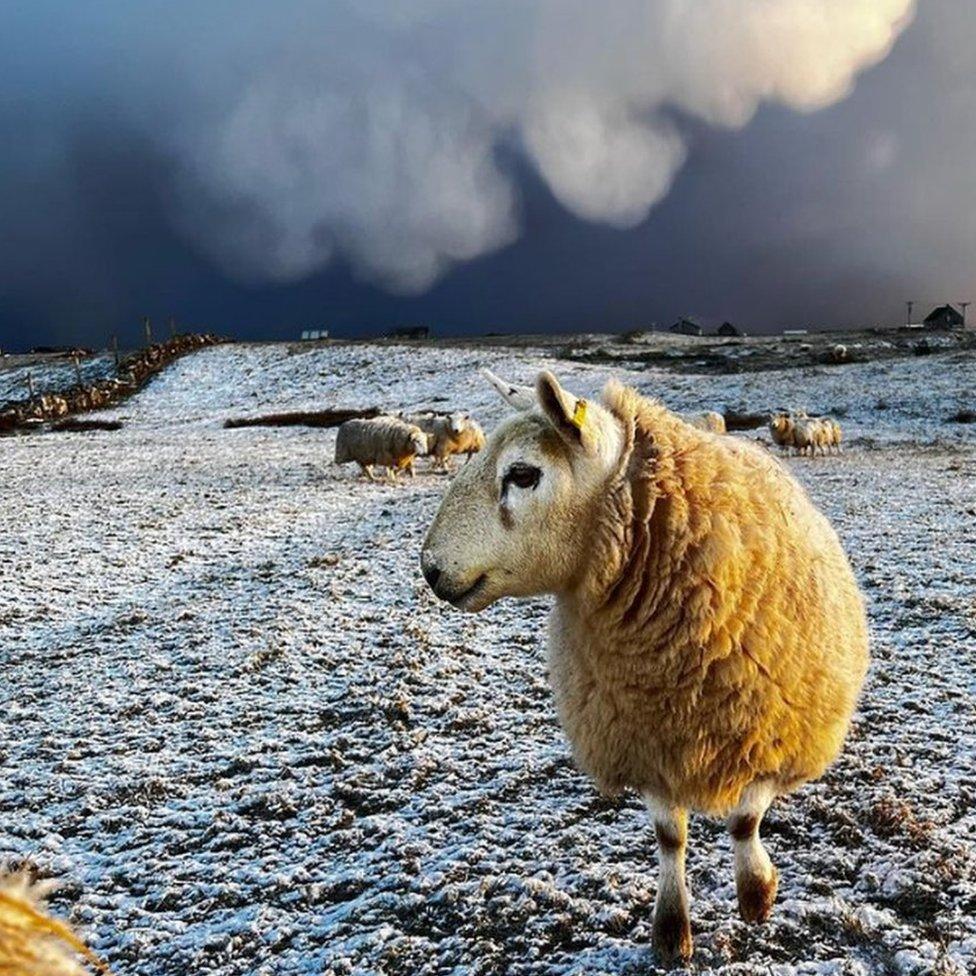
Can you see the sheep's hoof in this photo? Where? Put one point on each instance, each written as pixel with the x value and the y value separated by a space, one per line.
pixel 756 896
pixel 671 936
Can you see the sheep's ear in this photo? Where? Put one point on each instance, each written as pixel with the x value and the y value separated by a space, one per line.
pixel 517 397
pixel 567 413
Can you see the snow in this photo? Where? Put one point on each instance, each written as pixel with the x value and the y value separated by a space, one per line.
pixel 241 730
pixel 52 374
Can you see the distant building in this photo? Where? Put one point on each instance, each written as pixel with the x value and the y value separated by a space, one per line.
pixel 688 326
pixel 945 317
pixel 695 325
pixel 410 332
pixel 310 335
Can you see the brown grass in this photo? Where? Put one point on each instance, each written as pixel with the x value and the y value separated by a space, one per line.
pixel 72 424
pixel 893 818
pixel 303 418
pixel 963 417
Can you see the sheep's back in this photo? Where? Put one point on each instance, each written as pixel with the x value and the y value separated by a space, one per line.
pixel 378 440
pixel 734 647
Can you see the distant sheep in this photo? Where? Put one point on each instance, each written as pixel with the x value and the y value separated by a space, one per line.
pixel 781 429
pixel 806 435
pixel 710 421
pixel 683 664
pixel 448 434
pixel 380 441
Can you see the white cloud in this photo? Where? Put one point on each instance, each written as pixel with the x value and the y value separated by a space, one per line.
pixel 370 130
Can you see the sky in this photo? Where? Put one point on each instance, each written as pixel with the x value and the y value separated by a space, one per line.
pixel 481 165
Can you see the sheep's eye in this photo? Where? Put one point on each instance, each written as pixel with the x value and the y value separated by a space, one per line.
pixel 522 476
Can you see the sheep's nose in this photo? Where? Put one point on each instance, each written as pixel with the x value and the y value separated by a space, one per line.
pixel 432 574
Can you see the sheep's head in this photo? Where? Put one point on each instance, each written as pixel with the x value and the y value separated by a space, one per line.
pixel 418 441
pixel 514 521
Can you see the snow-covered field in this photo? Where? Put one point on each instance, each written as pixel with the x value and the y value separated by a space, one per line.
pixel 50 374
pixel 242 731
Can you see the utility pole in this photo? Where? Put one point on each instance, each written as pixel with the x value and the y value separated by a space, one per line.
pixel 172 326
pixel 147 327
pixel 910 306
pixel 115 351
pixel 964 306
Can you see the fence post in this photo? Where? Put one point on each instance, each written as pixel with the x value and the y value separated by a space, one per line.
pixel 147 326
pixel 115 350
pixel 30 384
pixel 77 365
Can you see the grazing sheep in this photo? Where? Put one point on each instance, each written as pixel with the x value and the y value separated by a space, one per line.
pixel 447 434
pixel 384 441
pixel 708 639
pixel 837 434
pixel 805 435
pixel 710 420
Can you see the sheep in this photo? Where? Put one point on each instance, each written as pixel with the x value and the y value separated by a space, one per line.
pixel 806 435
pixel 709 420
pixel 839 353
pixel 447 434
pixel 836 434
pixel 384 441
pixel 32 943
pixel 781 429
pixel 682 661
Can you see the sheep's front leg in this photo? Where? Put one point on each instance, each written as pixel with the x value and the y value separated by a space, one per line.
pixel 756 879
pixel 672 926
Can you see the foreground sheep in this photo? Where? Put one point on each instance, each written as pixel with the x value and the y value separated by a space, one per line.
pixel 448 434
pixel 380 441
pixel 708 640
pixel 32 943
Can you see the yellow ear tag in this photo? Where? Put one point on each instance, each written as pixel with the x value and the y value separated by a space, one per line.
pixel 579 414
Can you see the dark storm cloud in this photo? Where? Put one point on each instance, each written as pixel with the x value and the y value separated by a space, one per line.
pixel 509 165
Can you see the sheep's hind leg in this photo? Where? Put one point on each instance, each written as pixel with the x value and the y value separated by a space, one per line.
pixel 756 879
pixel 672 927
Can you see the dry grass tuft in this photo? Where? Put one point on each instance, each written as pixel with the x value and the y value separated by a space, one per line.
pixel 31 942
pixel 893 818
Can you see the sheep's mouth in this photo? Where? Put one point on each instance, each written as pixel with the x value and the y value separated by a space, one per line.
pixel 466 597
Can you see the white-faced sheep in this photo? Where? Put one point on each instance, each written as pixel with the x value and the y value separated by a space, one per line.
pixel 448 434
pixel 380 441
pixel 708 639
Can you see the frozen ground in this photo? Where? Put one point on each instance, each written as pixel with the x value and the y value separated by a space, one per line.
pixel 238 726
